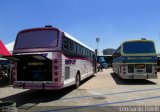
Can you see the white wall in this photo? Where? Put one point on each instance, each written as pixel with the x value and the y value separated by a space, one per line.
pixel 10 47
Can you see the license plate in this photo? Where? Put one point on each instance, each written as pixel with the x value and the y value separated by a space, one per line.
pixel 139 66
pixel 139 70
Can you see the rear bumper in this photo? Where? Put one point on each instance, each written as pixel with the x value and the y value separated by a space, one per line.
pixel 38 86
pixel 158 68
pixel 139 76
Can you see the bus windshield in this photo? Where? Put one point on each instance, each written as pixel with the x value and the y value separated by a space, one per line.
pixel 138 47
pixel 37 39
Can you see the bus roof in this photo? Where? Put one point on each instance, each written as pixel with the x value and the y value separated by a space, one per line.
pixel 133 41
pixel 104 55
pixel 66 34
pixel 137 41
pixel 74 39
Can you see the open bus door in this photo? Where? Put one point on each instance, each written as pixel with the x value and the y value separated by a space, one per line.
pixel 16 58
pixel 31 67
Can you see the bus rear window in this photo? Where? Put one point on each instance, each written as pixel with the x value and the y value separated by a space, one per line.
pixel 37 39
pixel 138 47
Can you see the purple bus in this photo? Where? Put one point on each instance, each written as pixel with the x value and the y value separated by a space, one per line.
pixel 49 58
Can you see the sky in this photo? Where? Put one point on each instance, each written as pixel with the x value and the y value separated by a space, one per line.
pixel 113 21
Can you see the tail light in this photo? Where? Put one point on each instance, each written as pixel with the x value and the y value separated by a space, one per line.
pixel 56 79
pixel 56 73
pixel 55 70
pixel 55 67
pixel 55 61
pixel 123 67
pixel 130 68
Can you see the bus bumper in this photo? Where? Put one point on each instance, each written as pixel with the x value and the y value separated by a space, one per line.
pixel 152 76
pixel 139 76
pixel 38 86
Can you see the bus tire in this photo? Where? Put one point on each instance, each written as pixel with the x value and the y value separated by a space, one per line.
pixel 77 80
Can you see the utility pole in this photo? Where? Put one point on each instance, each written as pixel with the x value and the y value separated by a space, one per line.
pixel 97 40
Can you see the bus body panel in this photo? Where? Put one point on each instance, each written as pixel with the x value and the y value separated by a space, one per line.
pixel 74 65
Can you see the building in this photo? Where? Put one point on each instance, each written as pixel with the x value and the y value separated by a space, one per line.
pixel 10 47
pixel 108 51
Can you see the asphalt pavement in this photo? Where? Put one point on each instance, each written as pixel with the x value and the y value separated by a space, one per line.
pixel 105 92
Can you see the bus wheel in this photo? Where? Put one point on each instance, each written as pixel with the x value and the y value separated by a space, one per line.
pixel 77 81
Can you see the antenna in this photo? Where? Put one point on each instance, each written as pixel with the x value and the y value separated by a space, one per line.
pixel 143 38
pixel 97 40
pixel 48 25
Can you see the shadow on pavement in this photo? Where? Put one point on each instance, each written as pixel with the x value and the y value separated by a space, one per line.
pixel 120 81
pixel 3 84
pixel 39 96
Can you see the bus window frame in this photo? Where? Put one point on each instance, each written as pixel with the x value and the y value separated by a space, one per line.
pixel 141 54
pixel 37 29
pixel 117 53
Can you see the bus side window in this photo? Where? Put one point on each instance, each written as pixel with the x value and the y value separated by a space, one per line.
pixel 81 50
pixel 75 48
pixel 70 46
pixel 89 53
pixel 65 44
pixel 117 53
pixel 78 49
pixel 84 51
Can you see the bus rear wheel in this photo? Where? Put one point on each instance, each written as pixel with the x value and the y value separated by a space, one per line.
pixel 77 81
